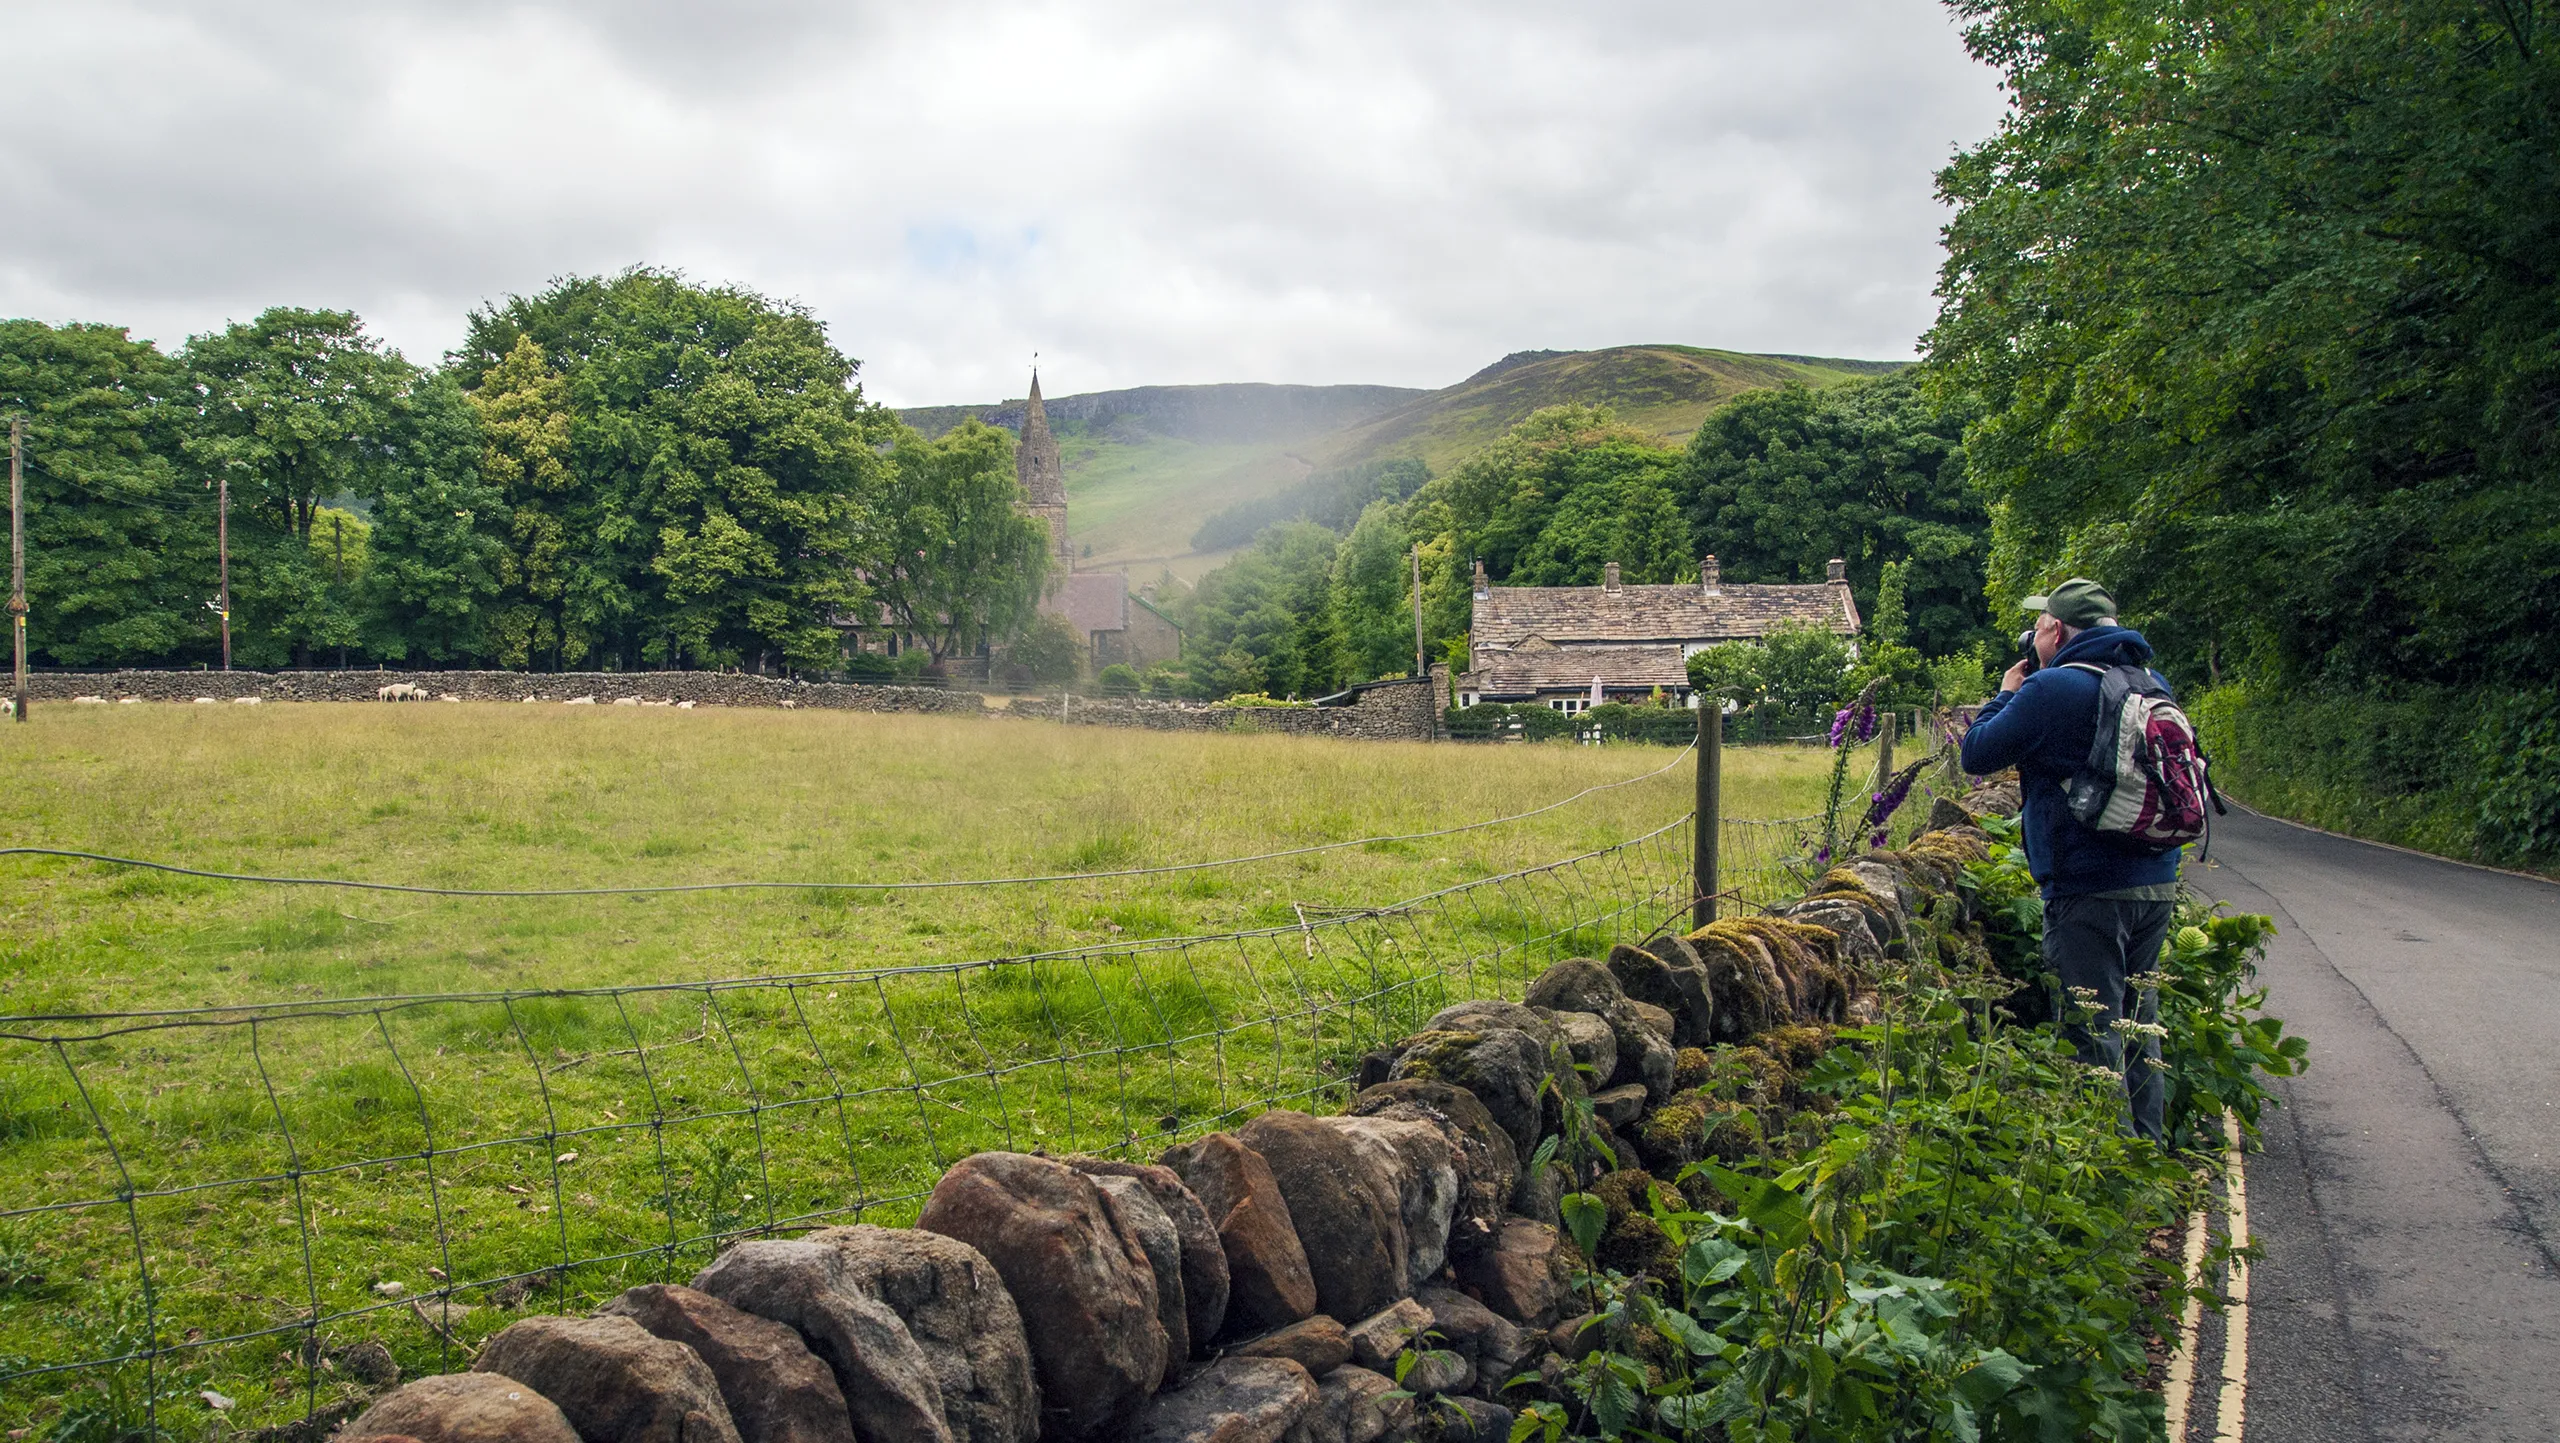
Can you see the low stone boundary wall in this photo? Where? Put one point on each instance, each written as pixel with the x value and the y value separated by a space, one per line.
pixel 702 688
pixel 1382 713
pixel 1264 1285
pixel 1392 712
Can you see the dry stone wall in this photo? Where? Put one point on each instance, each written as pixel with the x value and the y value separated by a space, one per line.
pixel 1263 1285
pixel 604 688
pixel 1383 713
pixel 1393 712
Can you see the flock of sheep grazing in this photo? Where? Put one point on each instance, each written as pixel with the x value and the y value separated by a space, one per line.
pixel 409 691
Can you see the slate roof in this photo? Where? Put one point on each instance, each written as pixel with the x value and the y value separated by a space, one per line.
pixel 1570 615
pixel 1620 668
pixel 1091 601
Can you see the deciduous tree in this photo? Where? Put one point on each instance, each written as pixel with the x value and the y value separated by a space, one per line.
pixel 727 467
pixel 119 537
pixel 1779 482
pixel 960 563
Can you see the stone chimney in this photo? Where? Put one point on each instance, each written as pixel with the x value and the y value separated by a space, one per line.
pixel 1837 572
pixel 1709 575
pixel 1610 577
pixel 1484 588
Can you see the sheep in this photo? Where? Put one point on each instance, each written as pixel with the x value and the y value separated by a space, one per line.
pixel 403 691
pixel 580 701
pixel 626 701
pixel 247 700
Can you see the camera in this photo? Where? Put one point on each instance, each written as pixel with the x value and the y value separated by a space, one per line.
pixel 2027 647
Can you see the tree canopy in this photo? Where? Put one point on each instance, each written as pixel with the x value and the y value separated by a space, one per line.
pixel 1779 482
pixel 300 407
pixel 726 467
pixel 618 472
pixel 960 562
pixel 120 544
pixel 2260 302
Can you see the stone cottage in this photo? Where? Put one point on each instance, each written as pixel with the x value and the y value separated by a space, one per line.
pixel 1553 644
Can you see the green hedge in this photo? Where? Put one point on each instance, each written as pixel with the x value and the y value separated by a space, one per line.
pixel 2464 773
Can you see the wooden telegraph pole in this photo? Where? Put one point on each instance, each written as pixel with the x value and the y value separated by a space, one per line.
pixel 222 545
pixel 1710 823
pixel 1421 661
pixel 338 533
pixel 18 557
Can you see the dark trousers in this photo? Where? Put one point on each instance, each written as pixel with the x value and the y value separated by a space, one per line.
pixel 2101 945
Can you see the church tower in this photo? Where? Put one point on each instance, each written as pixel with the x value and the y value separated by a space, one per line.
pixel 1043 476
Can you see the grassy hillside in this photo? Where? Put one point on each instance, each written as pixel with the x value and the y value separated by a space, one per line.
pixel 1667 390
pixel 1145 467
pixel 1136 501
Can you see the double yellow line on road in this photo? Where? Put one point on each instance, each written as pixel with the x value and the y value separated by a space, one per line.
pixel 2231 1407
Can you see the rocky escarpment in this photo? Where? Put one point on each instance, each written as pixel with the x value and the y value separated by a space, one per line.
pixel 1395 1272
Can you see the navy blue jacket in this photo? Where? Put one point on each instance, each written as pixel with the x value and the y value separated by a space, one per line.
pixel 2044 729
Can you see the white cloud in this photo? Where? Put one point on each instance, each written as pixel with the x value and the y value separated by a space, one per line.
pixel 1141 192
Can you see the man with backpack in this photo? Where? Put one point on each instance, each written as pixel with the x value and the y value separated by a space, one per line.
pixel 2111 785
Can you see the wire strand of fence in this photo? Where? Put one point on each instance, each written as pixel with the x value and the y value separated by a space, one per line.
pixel 324 1175
pixel 663 889
pixel 353 1172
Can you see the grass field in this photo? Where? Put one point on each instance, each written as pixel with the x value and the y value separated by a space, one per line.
pixel 303 1172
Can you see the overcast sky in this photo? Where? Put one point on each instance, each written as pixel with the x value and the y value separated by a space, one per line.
pixel 1142 193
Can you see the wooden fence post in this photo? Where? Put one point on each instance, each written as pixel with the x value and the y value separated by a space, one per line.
pixel 1702 854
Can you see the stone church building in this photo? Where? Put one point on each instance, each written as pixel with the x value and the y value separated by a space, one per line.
pixel 1117 625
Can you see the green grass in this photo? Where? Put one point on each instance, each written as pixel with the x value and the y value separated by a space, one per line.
pixel 641 1128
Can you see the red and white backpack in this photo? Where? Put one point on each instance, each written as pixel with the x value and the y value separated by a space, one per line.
pixel 2147 781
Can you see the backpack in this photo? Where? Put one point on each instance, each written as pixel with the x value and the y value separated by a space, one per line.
pixel 2147 782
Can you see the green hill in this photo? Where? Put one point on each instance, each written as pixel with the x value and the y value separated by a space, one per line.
pixel 1667 390
pixel 1145 467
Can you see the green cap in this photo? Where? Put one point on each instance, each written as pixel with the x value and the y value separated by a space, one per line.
pixel 2077 602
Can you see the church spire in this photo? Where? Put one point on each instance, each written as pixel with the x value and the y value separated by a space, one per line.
pixel 1042 474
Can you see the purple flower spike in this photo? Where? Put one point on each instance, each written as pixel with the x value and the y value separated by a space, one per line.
pixel 1839 725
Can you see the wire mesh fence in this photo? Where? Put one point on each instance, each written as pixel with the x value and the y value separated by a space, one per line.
pixel 230 1218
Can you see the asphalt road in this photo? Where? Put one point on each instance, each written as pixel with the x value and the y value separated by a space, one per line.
pixel 2408 1198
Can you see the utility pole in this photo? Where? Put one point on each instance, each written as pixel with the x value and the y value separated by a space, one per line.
pixel 338 532
pixel 1421 662
pixel 18 556
pixel 222 543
